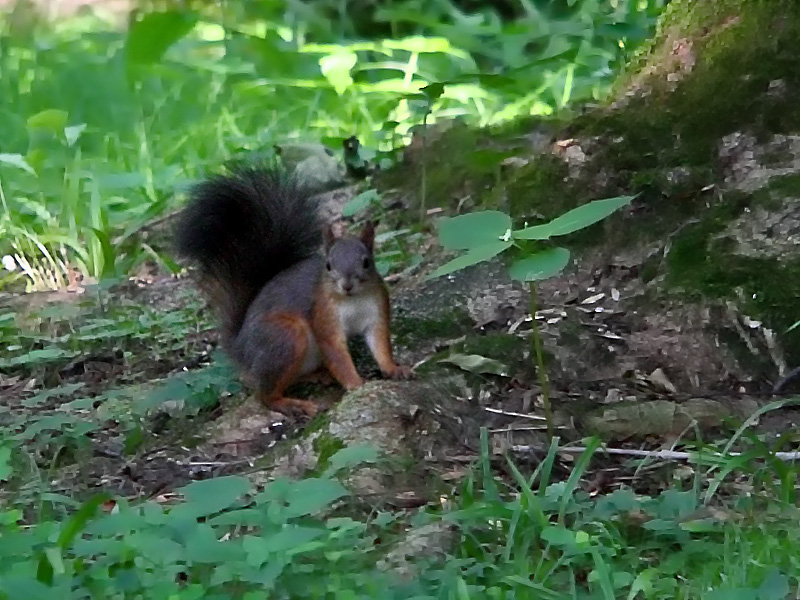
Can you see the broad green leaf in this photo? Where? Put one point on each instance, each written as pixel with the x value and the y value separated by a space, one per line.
pixel 151 36
pixel 360 202
pixel 288 540
pixel 44 570
pixel 53 120
pixel 203 546
pixel 19 587
pixel 475 229
pixel 17 160
pixel 309 496
pixel 542 265
pixel 56 560
pixel 774 587
pixel 336 69
pixel 155 546
pixel 558 535
pixel 52 392
pixel 213 495
pixel 432 91
pixel 173 389
pixel 72 133
pixel 473 257
pixel 5 463
pixel 351 456
pixel 574 220
pixel 474 363
pixel 251 517
pixel 37 356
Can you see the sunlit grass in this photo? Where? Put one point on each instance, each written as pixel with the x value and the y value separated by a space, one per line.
pixel 101 131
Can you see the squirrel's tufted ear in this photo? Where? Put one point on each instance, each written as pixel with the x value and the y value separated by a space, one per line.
pixel 328 235
pixel 368 234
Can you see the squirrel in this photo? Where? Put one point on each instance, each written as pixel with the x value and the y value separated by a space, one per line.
pixel 288 291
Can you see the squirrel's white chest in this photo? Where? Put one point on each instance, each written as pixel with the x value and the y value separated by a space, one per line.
pixel 357 315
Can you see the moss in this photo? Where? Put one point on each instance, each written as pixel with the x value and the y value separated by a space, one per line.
pixel 325 446
pixel 702 264
pixel 741 47
pixel 410 330
pixel 447 168
pixel 537 189
pixel 774 194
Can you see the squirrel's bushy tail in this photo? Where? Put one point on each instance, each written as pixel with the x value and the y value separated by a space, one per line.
pixel 242 230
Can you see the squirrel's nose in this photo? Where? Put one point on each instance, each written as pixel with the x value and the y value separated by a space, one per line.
pixel 348 286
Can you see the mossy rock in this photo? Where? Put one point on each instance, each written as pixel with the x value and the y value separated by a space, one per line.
pixel 403 421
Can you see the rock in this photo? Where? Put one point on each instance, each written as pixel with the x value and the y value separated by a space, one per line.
pixel 427 543
pixel 663 417
pixel 410 424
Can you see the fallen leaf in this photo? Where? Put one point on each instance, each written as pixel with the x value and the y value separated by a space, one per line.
pixel 474 363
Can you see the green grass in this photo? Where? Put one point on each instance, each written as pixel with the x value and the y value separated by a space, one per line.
pixel 528 538
pixel 101 128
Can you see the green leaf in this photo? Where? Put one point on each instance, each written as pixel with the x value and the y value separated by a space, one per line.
pixel 432 91
pixel 574 220
pixel 473 257
pixel 558 535
pixel 541 265
pixel 474 363
pixel 72 133
pixel 475 229
pixel 37 356
pixel 203 546
pixel 336 69
pixel 19 587
pixel 17 160
pixel 78 521
pixel 44 569
pixel 56 560
pixel 5 463
pixel 52 120
pixel 213 495
pixel 290 539
pixel 351 456
pixel 774 587
pixel 309 496
pixel 360 202
pixel 250 517
pixel 150 37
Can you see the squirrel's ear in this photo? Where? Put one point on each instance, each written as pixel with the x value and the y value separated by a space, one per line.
pixel 328 235
pixel 368 234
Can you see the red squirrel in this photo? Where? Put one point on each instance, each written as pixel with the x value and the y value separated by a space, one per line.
pixel 289 293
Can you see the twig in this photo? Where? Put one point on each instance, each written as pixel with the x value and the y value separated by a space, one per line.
pixel 663 454
pixel 512 428
pixel 513 414
pixel 541 370
pixel 217 463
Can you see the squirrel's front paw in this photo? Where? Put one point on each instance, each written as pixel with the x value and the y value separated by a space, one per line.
pixel 400 372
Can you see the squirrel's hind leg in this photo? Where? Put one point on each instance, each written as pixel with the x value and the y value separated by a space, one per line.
pixel 289 344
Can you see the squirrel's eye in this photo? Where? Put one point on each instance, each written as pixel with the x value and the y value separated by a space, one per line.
pixel 328 265
pixel 366 263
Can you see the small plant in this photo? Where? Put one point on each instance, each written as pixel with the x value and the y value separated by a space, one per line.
pixel 395 247
pixel 486 234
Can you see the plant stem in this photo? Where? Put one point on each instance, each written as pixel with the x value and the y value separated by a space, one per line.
pixel 541 370
pixel 423 182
